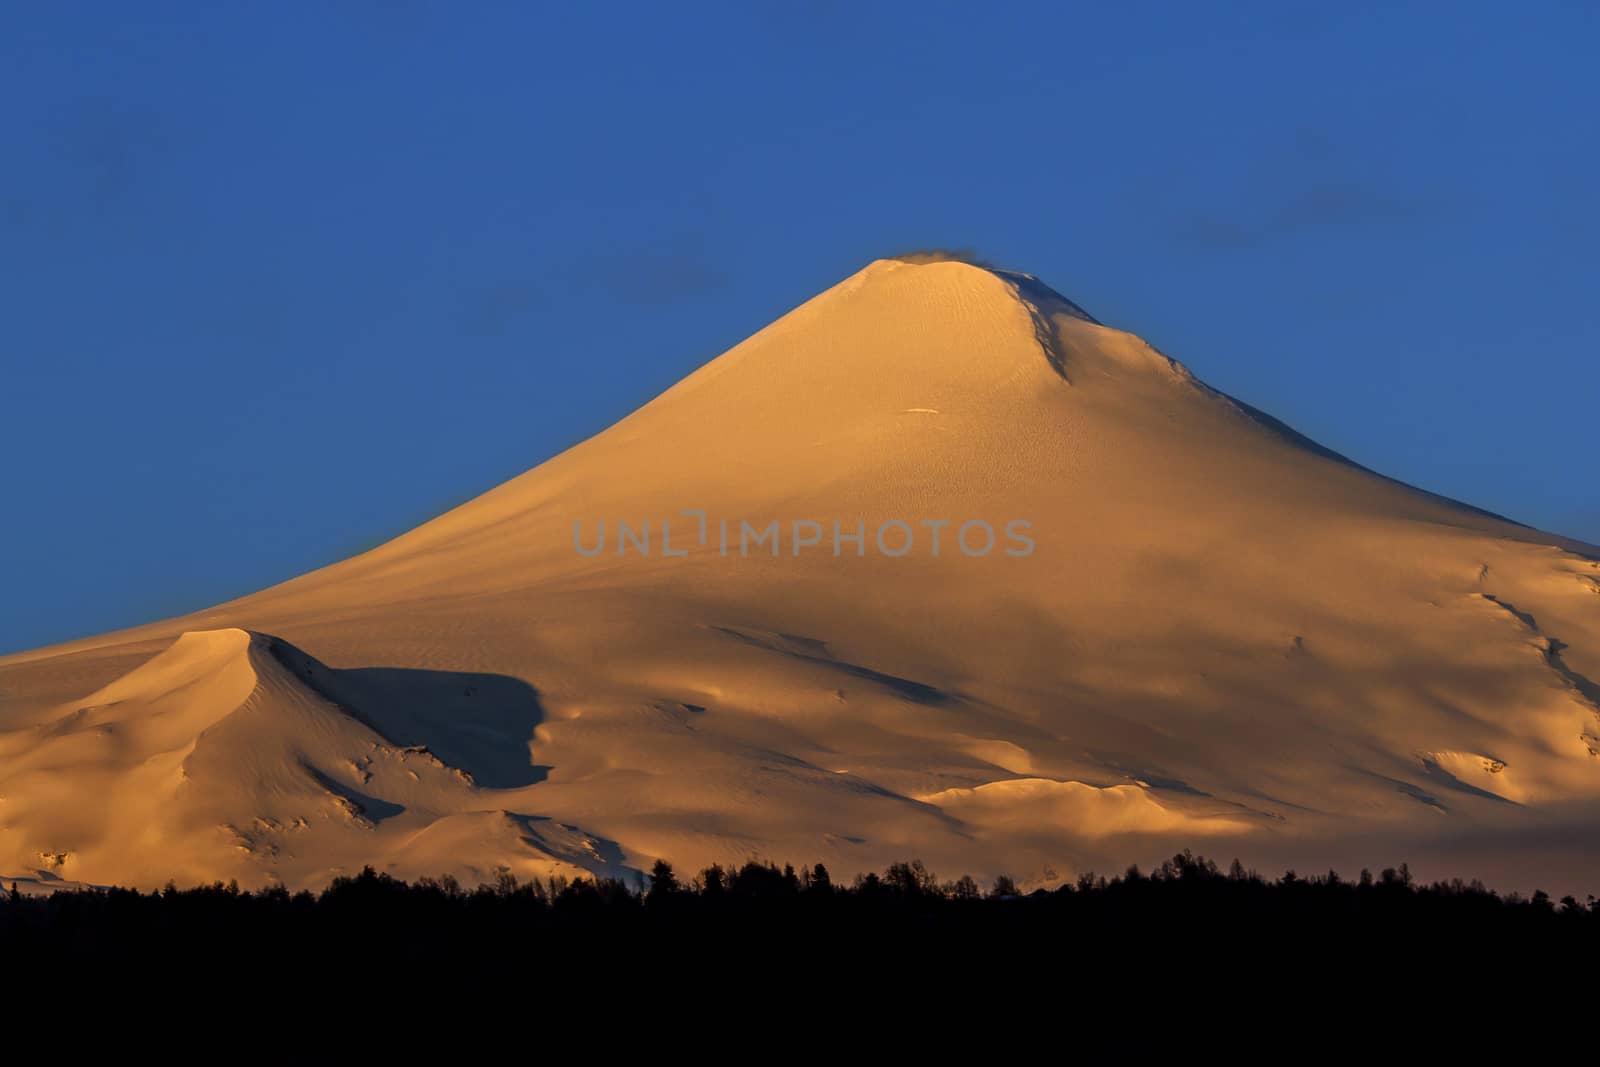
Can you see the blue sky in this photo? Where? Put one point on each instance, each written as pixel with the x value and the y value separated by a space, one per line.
pixel 281 281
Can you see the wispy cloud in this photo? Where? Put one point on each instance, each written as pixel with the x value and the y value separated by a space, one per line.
pixel 1317 207
pixel 943 255
pixel 488 311
pixel 657 276
pixel 106 145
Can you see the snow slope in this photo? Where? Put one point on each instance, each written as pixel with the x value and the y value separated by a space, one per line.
pixel 1224 637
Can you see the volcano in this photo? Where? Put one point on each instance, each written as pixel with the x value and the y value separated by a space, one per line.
pixel 934 566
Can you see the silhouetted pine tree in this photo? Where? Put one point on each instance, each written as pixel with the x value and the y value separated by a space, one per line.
pixel 663 883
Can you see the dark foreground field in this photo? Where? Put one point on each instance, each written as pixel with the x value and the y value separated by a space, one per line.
pixel 767 962
pixel 1187 917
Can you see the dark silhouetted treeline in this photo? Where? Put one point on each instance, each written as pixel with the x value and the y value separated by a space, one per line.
pixel 731 930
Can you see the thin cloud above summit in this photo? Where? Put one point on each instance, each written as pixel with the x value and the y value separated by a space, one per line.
pixel 943 255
